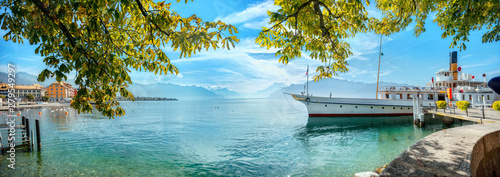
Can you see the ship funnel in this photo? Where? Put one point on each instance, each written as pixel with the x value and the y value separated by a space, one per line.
pixel 453 64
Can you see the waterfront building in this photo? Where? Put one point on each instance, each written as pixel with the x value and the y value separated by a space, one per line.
pixel 21 91
pixel 60 91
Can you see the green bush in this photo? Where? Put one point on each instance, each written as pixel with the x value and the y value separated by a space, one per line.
pixel 441 104
pixel 496 105
pixel 30 97
pixel 462 105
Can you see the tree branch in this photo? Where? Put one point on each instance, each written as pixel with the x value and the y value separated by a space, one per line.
pixel 293 15
pixel 145 14
pixel 63 28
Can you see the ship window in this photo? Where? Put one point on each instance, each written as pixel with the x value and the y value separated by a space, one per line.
pixel 470 97
pixel 398 96
pixel 488 97
pixel 371 107
pixel 387 96
pixel 340 105
pixel 382 107
pixel 463 97
pixel 393 107
pixel 401 107
pixel 356 106
pixel 410 96
pixel 441 97
pixel 430 97
pixel 408 108
pixel 325 105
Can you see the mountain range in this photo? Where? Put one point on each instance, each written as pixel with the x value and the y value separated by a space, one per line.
pixel 337 87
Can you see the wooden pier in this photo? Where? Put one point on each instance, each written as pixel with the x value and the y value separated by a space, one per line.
pixel 472 114
pixel 480 113
pixel 23 135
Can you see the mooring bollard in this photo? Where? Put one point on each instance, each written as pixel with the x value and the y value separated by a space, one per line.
pixel 38 141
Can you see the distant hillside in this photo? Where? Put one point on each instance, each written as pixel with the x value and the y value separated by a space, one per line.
pixel 226 93
pixel 338 88
pixel 173 91
pixel 266 93
pixel 23 78
pixel 152 90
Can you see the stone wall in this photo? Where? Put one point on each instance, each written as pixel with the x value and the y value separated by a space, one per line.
pixel 485 160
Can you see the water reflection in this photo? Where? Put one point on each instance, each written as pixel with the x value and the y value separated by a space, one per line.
pixel 318 126
pixel 383 126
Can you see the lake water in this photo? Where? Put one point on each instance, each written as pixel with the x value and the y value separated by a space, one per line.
pixel 251 137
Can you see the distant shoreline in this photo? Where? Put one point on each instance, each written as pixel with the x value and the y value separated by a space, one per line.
pixel 148 99
pixel 35 106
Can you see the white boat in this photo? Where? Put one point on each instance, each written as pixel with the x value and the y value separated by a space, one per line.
pixel 398 100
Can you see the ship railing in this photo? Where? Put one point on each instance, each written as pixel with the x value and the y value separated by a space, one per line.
pixel 406 88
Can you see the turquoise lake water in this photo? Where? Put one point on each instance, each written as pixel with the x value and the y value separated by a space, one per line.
pixel 252 137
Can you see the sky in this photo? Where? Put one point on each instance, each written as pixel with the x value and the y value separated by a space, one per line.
pixel 248 68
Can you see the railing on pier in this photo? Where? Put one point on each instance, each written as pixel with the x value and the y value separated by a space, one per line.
pixel 22 135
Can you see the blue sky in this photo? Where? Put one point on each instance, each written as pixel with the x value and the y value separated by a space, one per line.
pixel 248 68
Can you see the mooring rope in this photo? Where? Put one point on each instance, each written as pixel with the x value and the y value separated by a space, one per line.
pixel 290 103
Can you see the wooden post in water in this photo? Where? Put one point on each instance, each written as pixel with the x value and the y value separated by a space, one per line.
pixel 38 141
pixel 27 129
pixel 1 144
pixel 32 140
pixel 24 124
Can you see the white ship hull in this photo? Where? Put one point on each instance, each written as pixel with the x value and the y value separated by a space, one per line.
pixel 332 107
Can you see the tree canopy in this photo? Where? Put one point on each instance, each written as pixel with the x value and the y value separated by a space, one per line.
pixel 102 41
pixel 321 27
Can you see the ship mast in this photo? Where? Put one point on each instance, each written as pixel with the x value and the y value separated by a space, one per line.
pixel 307 73
pixel 378 73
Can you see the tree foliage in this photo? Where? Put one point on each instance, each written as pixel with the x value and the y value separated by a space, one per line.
pixel 45 98
pixel 496 105
pixel 104 40
pixel 321 27
pixel 441 104
pixel 462 105
pixel 30 97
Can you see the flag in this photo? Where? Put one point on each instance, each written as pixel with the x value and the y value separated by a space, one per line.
pixel 307 70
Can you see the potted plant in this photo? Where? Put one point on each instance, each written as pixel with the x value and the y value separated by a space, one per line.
pixel 441 105
pixel 463 106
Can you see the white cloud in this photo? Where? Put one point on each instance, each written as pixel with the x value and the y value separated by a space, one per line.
pixel 475 65
pixel 257 24
pixel 493 73
pixel 37 58
pixel 365 43
pixel 466 56
pixel 410 27
pixel 4 56
pixel 252 12
pixel 374 12
pixel 151 78
pixel 433 15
